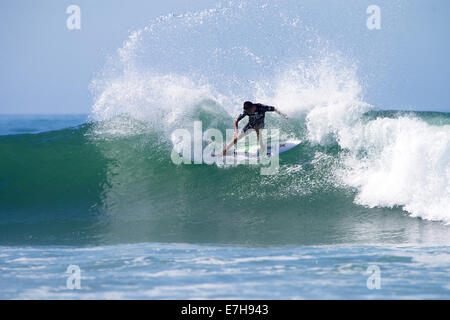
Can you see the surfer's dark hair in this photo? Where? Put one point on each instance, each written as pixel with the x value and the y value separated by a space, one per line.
pixel 248 105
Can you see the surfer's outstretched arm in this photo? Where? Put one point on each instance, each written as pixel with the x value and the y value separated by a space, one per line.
pixel 281 113
pixel 270 108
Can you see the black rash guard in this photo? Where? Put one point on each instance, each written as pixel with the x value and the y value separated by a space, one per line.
pixel 256 119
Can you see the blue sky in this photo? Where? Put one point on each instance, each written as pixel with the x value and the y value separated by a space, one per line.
pixel 47 68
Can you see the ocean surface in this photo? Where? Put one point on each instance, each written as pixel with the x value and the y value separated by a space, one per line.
pixel 92 206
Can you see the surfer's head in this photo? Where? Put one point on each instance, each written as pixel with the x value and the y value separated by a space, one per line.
pixel 249 106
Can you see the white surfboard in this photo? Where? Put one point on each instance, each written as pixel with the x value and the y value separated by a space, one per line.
pixel 251 154
pixel 244 153
pixel 253 150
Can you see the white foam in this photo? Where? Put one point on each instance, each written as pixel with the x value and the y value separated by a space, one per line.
pixel 408 165
pixel 391 162
pixel 158 100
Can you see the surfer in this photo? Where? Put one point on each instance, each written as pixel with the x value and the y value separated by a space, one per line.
pixel 256 113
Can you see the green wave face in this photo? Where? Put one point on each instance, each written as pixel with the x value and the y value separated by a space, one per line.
pixel 74 187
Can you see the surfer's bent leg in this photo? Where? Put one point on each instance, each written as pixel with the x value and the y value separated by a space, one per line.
pixel 235 139
pixel 262 148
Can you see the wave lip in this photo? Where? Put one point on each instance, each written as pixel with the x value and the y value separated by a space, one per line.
pixel 407 164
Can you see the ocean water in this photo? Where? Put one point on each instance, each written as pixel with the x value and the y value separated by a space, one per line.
pixel 184 271
pixel 29 123
pixel 360 209
pixel 140 227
